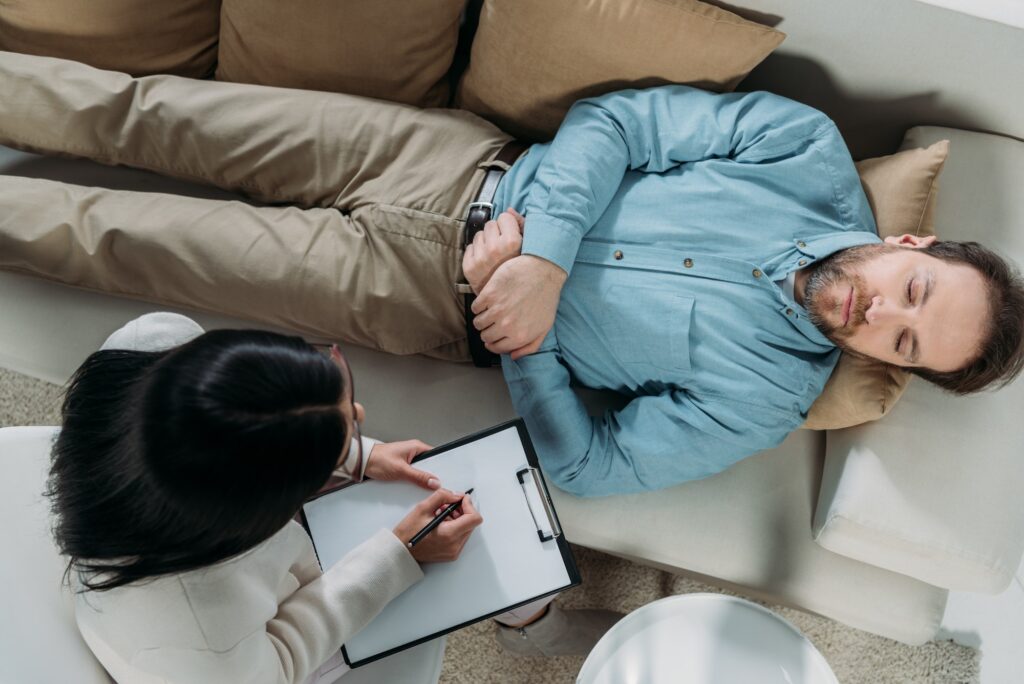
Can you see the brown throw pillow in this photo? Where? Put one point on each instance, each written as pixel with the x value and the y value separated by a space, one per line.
pixel 139 37
pixel 398 50
pixel 901 189
pixel 532 59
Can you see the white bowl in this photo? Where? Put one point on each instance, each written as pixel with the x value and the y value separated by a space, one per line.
pixel 704 639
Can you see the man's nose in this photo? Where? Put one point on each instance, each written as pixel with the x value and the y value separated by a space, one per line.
pixel 882 311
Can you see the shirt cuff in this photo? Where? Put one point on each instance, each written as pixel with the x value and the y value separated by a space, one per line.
pixel 517 370
pixel 368 444
pixel 345 468
pixel 552 239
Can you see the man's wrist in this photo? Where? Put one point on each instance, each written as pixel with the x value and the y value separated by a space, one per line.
pixel 552 271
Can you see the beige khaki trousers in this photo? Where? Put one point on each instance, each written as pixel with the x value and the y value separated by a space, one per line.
pixel 355 233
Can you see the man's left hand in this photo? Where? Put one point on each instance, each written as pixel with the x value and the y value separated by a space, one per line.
pixel 391 462
pixel 516 308
pixel 500 240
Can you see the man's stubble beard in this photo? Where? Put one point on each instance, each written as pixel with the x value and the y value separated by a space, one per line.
pixel 840 268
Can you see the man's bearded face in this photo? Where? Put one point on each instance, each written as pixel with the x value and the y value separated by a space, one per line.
pixel 899 305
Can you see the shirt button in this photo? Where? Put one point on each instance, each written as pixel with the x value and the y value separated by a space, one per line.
pixel 618 254
pixel 801 244
pixel 802 262
pixel 756 272
pixel 688 263
pixel 789 312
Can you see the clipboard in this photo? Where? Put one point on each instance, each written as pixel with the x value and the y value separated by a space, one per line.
pixel 517 556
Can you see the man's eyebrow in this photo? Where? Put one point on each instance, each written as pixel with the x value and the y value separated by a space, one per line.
pixel 930 280
pixel 915 351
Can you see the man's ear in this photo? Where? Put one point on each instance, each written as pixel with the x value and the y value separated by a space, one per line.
pixel 912 241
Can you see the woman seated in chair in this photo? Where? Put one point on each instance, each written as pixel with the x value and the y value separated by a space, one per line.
pixel 183 459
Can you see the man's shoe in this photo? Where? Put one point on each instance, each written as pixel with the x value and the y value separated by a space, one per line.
pixel 558 633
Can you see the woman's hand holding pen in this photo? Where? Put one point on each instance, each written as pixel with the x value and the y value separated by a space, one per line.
pixel 446 541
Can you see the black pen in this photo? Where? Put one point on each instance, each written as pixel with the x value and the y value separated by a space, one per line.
pixel 449 509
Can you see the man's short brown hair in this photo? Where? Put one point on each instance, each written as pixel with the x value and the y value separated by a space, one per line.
pixel 1001 356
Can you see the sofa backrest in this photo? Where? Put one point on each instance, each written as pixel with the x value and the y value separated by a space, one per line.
pixel 879 67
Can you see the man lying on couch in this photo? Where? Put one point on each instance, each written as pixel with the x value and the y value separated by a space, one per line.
pixel 706 255
pixel 703 254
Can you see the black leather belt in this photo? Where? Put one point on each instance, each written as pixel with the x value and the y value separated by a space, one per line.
pixel 481 209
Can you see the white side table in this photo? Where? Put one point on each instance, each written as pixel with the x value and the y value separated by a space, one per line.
pixel 704 639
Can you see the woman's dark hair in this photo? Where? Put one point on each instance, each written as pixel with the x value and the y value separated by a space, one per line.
pixel 1001 356
pixel 171 461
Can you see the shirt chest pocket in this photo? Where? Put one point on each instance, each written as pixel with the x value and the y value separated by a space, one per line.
pixel 649 328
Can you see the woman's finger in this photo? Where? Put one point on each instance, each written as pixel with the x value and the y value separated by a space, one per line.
pixel 420 478
pixel 437 501
pixel 469 519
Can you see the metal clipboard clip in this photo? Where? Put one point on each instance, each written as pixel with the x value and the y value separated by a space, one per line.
pixel 545 502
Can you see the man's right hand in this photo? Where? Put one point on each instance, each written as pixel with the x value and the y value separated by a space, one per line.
pixel 445 542
pixel 517 308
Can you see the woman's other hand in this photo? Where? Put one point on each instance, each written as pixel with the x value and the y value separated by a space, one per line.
pixel 391 462
pixel 445 542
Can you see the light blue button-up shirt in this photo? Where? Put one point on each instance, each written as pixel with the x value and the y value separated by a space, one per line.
pixel 675 212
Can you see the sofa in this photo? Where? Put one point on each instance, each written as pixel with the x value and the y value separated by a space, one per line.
pixel 871 525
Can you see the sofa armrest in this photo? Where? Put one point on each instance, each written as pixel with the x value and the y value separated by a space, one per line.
pixel 923 496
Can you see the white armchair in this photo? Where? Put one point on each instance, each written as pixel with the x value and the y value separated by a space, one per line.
pixel 42 644
pixel 38 606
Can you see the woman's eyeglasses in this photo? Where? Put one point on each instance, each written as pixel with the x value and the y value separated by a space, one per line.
pixel 350 468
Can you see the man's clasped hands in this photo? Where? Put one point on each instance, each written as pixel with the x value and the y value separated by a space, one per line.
pixel 517 294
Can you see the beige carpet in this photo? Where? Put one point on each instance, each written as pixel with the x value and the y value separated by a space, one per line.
pixel 474 658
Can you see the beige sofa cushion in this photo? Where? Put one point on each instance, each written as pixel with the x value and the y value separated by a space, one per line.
pixel 748 527
pixel 531 59
pixel 933 491
pixel 139 37
pixel 397 50
pixel 902 189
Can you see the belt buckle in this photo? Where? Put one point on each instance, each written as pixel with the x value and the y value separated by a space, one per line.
pixel 475 226
pixel 489 206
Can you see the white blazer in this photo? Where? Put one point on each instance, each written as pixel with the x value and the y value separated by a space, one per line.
pixel 265 616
